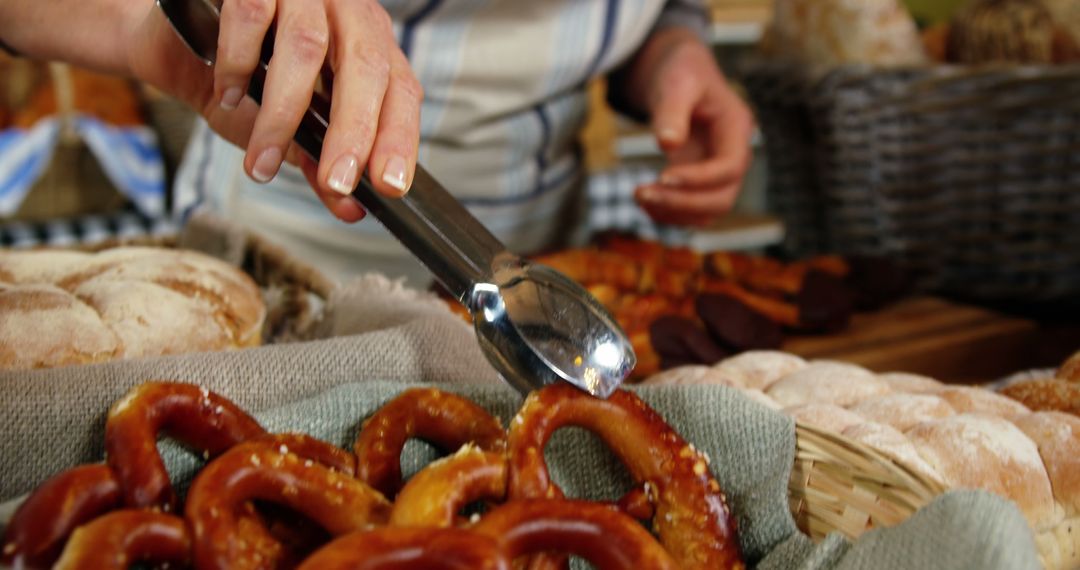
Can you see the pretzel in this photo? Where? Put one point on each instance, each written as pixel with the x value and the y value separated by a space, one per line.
pixel 221 533
pixel 692 519
pixel 36 533
pixel 121 538
pixel 607 539
pixel 395 548
pixel 307 447
pixel 198 418
pixel 446 420
pixel 435 495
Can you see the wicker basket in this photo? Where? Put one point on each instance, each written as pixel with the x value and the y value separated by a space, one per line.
pixel 840 485
pixel 970 176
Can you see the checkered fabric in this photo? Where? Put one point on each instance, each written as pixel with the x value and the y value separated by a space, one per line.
pixel 85 230
pixel 612 206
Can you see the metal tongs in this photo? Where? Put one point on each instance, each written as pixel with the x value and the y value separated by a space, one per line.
pixel 535 325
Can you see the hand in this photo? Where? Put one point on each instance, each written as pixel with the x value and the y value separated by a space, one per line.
pixel 375 107
pixel 702 126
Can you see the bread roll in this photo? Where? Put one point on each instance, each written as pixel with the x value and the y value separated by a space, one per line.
pixel 892 442
pixel 42 325
pixel 1057 436
pixel 761 398
pixel 827 382
pixel 689 375
pixel 824 416
pixel 831 32
pixel 985 452
pixel 969 400
pixel 912 383
pixel 1070 369
pixel 758 369
pixel 65 308
pixel 1046 395
pixel 903 411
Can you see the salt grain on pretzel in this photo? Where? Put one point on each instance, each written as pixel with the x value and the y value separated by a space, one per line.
pixel 692 519
pixel 446 420
pixel 194 416
pixel 260 471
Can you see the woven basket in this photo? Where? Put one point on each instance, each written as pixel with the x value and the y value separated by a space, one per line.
pixel 840 485
pixel 969 175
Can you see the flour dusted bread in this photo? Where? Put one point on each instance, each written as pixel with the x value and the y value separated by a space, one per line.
pixel 913 383
pixel 827 382
pixel 62 308
pixel 969 400
pixel 985 452
pixel 42 325
pixel 903 411
pixel 758 369
pixel 824 416
pixel 1057 436
pixel 891 441
pixel 831 32
pixel 689 375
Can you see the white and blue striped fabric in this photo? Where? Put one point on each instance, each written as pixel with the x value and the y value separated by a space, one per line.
pixel 129 156
pixel 505 96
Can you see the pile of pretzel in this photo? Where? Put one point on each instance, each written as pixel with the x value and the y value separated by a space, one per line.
pixel 681 307
pixel 266 500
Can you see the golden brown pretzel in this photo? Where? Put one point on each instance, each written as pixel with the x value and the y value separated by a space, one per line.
pixel 120 538
pixel 198 418
pixel 257 470
pixel 37 532
pixel 444 419
pixel 595 532
pixel 395 548
pixel 435 495
pixel 308 447
pixel 692 519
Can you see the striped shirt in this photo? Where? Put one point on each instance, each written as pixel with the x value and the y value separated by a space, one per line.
pixel 504 97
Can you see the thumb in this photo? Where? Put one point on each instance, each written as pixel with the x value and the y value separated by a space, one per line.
pixel 676 96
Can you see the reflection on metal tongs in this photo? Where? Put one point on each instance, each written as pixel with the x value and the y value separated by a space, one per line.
pixel 535 325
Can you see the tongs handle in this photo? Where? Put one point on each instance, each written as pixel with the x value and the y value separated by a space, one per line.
pixel 427 220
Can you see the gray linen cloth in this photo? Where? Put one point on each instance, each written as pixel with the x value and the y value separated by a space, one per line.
pixel 381 338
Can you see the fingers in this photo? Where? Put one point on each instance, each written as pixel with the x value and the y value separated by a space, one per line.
pixel 393 160
pixel 676 96
pixel 343 207
pixel 725 153
pixel 300 47
pixel 687 207
pixel 243 25
pixel 374 116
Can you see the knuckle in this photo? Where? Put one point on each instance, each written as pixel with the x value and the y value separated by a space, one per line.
pixel 254 11
pixel 309 43
pixel 369 63
pixel 408 85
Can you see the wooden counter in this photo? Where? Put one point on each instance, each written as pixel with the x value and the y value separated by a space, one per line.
pixel 926 335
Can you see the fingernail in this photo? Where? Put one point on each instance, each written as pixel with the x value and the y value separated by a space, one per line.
pixel 647 194
pixel 267 165
pixel 669 180
pixel 394 173
pixel 667 134
pixel 230 99
pixel 343 175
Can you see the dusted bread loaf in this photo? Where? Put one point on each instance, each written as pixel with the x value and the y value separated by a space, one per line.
pixel 60 308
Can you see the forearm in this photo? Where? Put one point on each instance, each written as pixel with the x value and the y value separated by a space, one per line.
pixel 89 33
